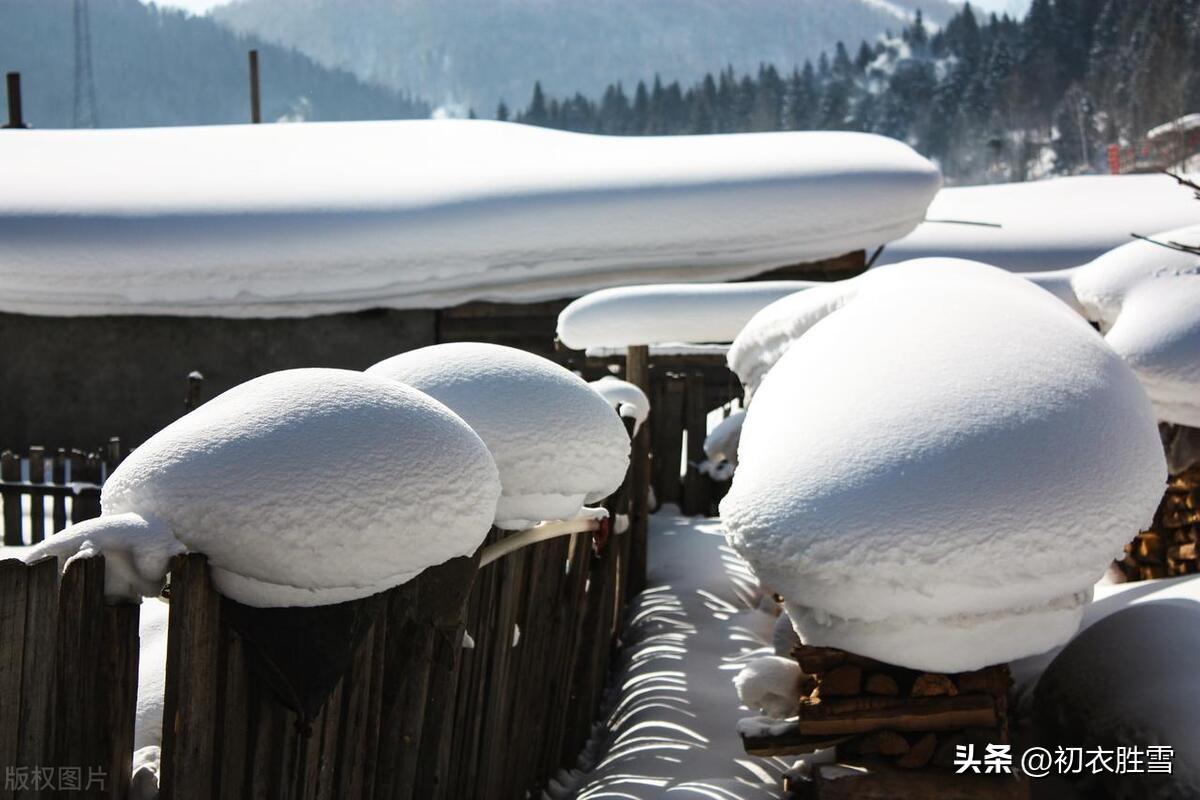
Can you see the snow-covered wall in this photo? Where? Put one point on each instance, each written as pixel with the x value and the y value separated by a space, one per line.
pixel 296 220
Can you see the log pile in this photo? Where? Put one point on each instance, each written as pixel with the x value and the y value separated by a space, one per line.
pixel 895 724
pixel 1169 548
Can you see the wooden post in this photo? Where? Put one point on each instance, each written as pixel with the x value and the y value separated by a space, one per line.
pixel 195 386
pixel 637 372
pixel 79 738
pixel 695 485
pixel 16 117
pixel 13 579
pixel 191 693
pixel 10 472
pixel 38 678
pixel 37 506
pixel 255 104
pixel 58 476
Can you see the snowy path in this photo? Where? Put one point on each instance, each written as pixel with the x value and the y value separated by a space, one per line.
pixel 670 729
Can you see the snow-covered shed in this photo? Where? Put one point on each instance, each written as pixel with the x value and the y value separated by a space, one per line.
pixel 129 258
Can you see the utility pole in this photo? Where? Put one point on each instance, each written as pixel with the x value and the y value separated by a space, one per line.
pixel 15 117
pixel 255 103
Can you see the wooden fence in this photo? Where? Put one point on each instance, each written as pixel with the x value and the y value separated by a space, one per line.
pixel 465 682
pixel 70 479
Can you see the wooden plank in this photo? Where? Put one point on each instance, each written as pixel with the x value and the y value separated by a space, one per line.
pixel 79 735
pixel 37 505
pixel 666 449
pixel 917 714
pixel 58 477
pixel 406 658
pixel 119 685
pixel 10 473
pixel 637 372
pixel 14 581
pixel 350 760
pixel 235 722
pixel 38 673
pixel 192 679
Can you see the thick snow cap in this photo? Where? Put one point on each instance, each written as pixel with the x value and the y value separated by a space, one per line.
pixel 310 487
pixel 936 472
pixel 557 442
pixel 295 220
pixel 1146 298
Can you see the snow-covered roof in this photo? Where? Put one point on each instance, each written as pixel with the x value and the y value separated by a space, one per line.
pixel 1188 122
pixel 556 441
pixel 303 487
pixel 667 313
pixel 1046 225
pixel 914 445
pixel 294 220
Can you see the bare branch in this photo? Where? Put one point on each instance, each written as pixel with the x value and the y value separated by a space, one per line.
pixel 1195 187
pixel 1177 246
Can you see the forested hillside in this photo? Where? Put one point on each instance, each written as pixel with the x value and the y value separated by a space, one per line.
pixel 158 67
pixel 988 97
pixel 474 53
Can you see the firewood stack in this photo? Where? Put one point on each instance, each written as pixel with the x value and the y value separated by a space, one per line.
pixel 902 726
pixel 1169 547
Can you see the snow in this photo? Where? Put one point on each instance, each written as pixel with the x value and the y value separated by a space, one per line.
pixel 1049 224
pixel 629 401
pixel 905 456
pixel 1188 122
pixel 556 442
pixel 297 220
pixel 771 684
pixel 1130 680
pixel 671 714
pixel 305 487
pixel 722 441
pixel 1146 299
pixel 667 313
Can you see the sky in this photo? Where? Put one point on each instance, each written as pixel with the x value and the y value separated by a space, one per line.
pixel 1012 6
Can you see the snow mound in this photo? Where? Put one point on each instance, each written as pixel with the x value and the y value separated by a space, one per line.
pixel 1146 299
pixel 296 220
pixel 1130 680
pixel 911 449
pixel 627 399
pixel 556 442
pixel 1045 225
pixel 310 486
pixel 770 684
pixel 667 313
pixel 721 444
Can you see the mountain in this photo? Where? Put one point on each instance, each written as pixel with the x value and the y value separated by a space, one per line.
pixel 152 66
pixel 478 52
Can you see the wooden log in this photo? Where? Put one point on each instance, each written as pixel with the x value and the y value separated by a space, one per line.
pixel 918 714
pixel 79 734
pixel 881 683
pixel 843 681
pixel 10 473
pixel 884 743
pixel 38 672
pixel 14 581
pixel 786 739
pixel 919 754
pixel 815 660
pixel 994 680
pixel 931 684
pixel 191 695
pixel 37 500
pixel 235 722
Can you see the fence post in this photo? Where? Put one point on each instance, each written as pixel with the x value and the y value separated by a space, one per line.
pixel 16 116
pixel 13 582
pixel 38 670
pixel 637 372
pixel 255 104
pixel 10 472
pixel 695 484
pixel 37 506
pixel 190 701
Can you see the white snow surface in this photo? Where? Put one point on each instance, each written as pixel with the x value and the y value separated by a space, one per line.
pixel 770 684
pixel 911 448
pixel 672 710
pixel 296 220
pixel 556 442
pixel 721 444
pixel 1146 299
pixel 308 487
pixel 667 313
pixel 627 399
pixel 1049 224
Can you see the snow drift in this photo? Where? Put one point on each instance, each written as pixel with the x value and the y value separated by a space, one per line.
pixel 627 399
pixel 295 220
pixel 304 487
pixel 1146 300
pixel 556 442
pixel 919 440
pixel 1045 225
